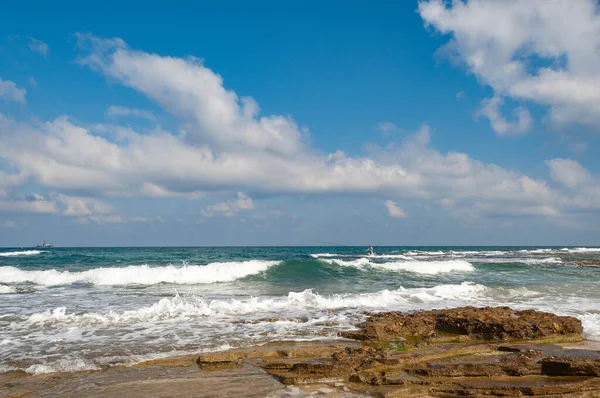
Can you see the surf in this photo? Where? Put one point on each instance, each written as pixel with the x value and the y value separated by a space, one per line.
pixel 140 274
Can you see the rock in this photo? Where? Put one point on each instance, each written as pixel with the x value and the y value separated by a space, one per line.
pixel 480 366
pixel 220 358
pixel 572 364
pixel 466 323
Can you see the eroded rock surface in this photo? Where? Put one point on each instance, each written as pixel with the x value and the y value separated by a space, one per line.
pixel 467 323
pixel 456 352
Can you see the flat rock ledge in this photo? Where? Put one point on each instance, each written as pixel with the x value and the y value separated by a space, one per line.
pixel 461 352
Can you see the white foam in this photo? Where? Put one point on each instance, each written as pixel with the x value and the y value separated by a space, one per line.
pixel 360 262
pixel 420 267
pixel 424 252
pixel 519 260
pixel 390 256
pixel 140 274
pixel 7 289
pixel 192 307
pixel 537 251
pixel 427 267
pixel 548 260
pixel 582 250
pixel 61 365
pixel 21 253
pixel 591 326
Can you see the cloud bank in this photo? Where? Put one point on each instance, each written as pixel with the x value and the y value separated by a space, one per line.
pixel 225 145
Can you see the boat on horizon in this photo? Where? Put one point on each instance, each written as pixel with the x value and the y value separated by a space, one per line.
pixel 44 245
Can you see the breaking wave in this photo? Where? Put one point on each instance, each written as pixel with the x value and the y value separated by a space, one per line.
pixel 189 307
pixel 140 274
pixel 21 253
pixel 581 250
pixel 591 326
pixel 7 289
pixel 420 267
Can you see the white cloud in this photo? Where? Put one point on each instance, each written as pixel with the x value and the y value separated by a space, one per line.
pixel 9 224
pixel 393 210
pixel 189 90
pixel 538 50
pixel 490 108
pixel 567 172
pixel 225 146
pixel 102 219
pixel 124 111
pixel 10 91
pixel 32 81
pixel 54 203
pixel 460 95
pixel 388 128
pixel 229 208
pixel 33 203
pixel 38 46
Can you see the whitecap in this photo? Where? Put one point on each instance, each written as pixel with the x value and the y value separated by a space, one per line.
pixel 7 289
pixel 21 253
pixel 140 274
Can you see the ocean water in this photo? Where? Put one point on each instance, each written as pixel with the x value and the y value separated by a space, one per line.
pixel 66 309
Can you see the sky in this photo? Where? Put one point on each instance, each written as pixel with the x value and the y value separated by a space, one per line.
pixel 208 123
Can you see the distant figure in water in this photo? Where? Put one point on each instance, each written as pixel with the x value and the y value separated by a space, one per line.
pixel 370 250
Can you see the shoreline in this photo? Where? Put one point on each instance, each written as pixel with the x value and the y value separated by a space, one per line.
pixel 490 351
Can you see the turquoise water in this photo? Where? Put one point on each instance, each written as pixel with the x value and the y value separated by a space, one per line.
pixel 66 309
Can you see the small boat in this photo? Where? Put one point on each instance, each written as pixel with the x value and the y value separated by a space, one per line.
pixel 45 245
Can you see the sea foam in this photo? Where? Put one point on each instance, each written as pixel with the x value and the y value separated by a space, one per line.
pixel 21 253
pixel 420 267
pixel 191 307
pixel 581 250
pixel 7 289
pixel 140 274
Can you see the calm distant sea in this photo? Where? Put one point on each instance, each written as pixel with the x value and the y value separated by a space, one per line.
pixel 65 309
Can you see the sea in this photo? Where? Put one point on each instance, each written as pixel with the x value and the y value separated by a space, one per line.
pixel 70 309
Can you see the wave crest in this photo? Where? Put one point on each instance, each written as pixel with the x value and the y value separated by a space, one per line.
pixel 420 267
pixel 21 253
pixel 186 307
pixel 140 274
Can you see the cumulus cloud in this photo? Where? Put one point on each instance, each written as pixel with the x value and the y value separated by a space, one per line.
pixel 229 208
pixel 225 145
pixel 393 210
pixel 187 89
pixel 10 92
pixel 38 46
pixel 567 172
pixel 490 108
pixel 537 50
pixel 54 203
pixel 124 111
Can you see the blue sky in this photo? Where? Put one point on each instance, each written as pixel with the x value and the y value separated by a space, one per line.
pixel 272 123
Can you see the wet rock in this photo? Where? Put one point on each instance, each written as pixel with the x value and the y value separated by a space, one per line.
pixel 478 366
pixel 466 323
pixel 225 357
pixel 571 366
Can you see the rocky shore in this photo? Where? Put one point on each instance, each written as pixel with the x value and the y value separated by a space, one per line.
pixel 461 352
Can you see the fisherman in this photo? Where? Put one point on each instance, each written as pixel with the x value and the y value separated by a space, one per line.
pixel 370 250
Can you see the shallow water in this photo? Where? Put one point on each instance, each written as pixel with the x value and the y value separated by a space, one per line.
pixel 87 308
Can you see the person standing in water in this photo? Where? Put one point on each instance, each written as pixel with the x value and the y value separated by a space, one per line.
pixel 370 250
